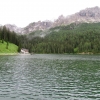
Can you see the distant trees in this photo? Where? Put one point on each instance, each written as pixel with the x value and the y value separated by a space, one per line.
pixel 69 39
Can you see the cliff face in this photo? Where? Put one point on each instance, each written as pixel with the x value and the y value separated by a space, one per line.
pixel 14 28
pixel 37 26
pixel 89 15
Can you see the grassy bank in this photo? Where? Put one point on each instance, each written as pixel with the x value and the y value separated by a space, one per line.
pixel 12 48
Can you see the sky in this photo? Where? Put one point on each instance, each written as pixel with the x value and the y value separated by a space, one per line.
pixel 23 12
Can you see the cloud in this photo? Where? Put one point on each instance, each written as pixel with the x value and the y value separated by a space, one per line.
pixel 23 12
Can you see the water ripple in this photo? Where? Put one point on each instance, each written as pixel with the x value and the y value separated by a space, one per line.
pixel 50 77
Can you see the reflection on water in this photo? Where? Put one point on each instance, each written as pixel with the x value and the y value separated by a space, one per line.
pixel 50 77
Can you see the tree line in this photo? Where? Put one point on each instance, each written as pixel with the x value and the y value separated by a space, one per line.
pixel 8 36
pixel 73 38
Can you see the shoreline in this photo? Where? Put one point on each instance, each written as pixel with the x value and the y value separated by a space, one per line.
pixel 1 54
pixel 8 54
pixel 5 54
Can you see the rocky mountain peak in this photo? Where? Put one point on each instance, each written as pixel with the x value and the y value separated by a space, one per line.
pixel 37 26
pixel 14 28
pixel 90 12
pixel 88 15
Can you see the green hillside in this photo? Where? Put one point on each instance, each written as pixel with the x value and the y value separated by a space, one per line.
pixel 73 38
pixel 12 48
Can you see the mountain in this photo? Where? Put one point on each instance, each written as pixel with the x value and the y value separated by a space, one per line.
pixel 73 38
pixel 14 28
pixel 37 26
pixel 88 15
pixel 31 27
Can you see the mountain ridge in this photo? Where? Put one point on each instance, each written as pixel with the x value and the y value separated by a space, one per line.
pixel 88 15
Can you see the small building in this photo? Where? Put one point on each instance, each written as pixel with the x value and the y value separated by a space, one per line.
pixel 24 51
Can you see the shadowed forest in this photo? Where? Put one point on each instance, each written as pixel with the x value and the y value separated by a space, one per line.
pixel 74 38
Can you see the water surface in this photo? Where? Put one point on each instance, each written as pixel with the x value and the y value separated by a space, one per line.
pixel 50 77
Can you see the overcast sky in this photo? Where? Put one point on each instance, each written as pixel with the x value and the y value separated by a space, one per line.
pixel 23 12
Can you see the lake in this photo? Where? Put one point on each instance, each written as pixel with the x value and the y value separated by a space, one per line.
pixel 50 77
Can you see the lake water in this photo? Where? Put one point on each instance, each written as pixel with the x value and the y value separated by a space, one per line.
pixel 50 77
